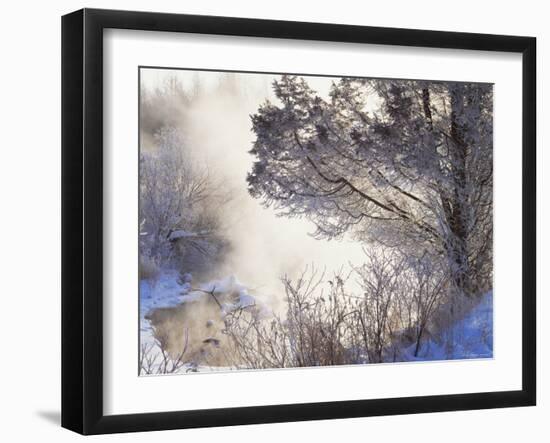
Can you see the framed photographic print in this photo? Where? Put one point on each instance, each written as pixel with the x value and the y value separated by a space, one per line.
pixel 270 221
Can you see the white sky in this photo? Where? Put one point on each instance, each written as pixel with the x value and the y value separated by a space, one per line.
pixel 153 78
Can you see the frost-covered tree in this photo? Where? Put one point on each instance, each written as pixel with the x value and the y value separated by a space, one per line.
pixel 164 106
pixel 405 163
pixel 178 204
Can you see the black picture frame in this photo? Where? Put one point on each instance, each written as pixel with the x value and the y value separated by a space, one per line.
pixel 82 218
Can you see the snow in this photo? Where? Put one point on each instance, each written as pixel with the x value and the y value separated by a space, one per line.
pixel 165 292
pixel 240 298
pixel 228 284
pixel 472 337
pixel 172 289
pixel 162 293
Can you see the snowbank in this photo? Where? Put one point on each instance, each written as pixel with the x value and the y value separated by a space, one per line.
pixel 471 337
pixel 236 295
pixel 171 289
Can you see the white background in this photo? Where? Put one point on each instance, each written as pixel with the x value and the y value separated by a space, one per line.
pixel 30 220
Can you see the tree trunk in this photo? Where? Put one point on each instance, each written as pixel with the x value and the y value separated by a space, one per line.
pixel 418 341
pixel 457 214
pixel 454 206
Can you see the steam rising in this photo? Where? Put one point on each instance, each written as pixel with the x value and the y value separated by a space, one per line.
pixel 217 128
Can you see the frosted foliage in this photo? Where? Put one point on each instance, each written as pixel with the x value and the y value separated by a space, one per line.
pixel 413 171
pixel 294 228
pixel 177 197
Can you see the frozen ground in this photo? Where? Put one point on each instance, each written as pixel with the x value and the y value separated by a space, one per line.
pixel 472 337
pixel 171 290
pixel 165 292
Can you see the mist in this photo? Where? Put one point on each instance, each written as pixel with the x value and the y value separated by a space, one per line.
pixel 216 124
pixel 367 262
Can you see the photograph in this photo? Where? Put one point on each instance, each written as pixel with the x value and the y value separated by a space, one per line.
pixel 300 220
pixel 275 222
